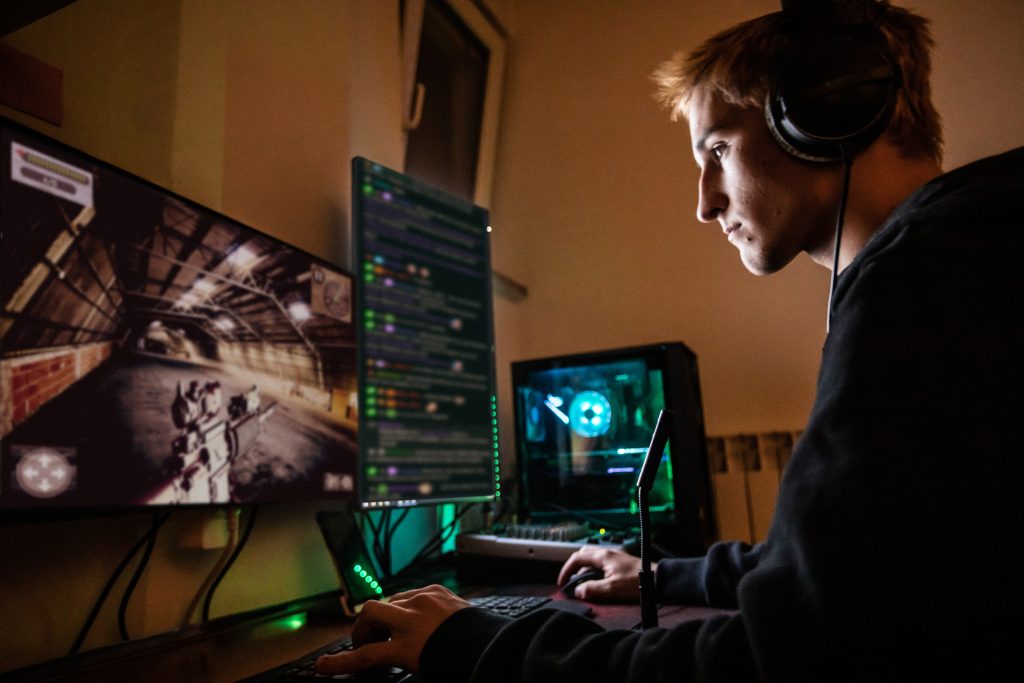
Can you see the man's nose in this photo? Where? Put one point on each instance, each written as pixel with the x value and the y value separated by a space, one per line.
pixel 711 201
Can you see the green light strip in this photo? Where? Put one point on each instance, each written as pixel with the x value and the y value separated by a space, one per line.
pixel 497 449
pixel 367 577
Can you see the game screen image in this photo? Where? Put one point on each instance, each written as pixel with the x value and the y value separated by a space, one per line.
pixel 583 432
pixel 155 352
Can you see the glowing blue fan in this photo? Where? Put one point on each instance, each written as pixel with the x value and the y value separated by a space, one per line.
pixel 590 414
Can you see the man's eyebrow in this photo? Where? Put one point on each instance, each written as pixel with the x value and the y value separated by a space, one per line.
pixel 699 146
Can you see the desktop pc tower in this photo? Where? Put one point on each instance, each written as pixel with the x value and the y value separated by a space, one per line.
pixel 582 426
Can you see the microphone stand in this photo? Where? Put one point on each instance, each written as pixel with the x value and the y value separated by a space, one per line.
pixel 644 483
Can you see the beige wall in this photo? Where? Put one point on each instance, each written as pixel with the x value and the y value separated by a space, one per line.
pixel 254 108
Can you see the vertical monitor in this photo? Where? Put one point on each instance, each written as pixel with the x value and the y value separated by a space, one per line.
pixel 156 352
pixel 427 405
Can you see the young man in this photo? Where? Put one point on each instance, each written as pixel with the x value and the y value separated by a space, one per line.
pixel 895 552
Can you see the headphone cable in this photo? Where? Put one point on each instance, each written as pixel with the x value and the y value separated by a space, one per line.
pixel 847 172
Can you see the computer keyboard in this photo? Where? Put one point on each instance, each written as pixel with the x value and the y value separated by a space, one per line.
pixel 302 669
pixel 510 605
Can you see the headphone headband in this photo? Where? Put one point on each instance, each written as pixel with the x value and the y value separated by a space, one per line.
pixel 836 91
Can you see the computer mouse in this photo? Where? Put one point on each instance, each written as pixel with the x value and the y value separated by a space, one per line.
pixel 589 574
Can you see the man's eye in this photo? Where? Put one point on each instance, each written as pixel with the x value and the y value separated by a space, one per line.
pixel 718 151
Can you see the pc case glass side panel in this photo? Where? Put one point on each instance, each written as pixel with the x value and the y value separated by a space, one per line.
pixel 583 426
pixel 155 352
pixel 425 337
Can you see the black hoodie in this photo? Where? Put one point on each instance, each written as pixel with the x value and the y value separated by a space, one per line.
pixel 896 547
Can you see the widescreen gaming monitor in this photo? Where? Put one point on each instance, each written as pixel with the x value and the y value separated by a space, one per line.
pixel 583 423
pixel 156 352
pixel 428 413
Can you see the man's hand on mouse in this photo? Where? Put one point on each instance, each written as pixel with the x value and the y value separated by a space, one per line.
pixel 621 582
pixel 394 633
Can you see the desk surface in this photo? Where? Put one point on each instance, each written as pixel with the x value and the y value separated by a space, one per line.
pixel 247 647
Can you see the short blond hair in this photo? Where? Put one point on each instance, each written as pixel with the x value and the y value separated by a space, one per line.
pixel 737 64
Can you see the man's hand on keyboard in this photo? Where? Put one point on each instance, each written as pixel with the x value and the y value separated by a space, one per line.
pixel 620 582
pixel 394 633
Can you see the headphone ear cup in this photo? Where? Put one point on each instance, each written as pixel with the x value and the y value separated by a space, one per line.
pixel 835 96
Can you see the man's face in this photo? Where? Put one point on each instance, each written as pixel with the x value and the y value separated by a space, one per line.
pixel 771 205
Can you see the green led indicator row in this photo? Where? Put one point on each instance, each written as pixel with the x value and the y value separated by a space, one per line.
pixel 497 454
pixel 368 578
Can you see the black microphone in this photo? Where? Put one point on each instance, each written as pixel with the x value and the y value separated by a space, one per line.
pixel 644 483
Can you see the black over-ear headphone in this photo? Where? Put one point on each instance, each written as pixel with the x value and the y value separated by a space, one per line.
pixel 836 91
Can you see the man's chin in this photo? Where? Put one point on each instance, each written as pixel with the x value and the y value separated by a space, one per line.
pixel 756 267
pixel 758 263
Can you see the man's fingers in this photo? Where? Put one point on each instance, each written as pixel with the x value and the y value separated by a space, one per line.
pixel 569 568
pixel 597 588
pixel 375 622
pixel 584 557
pixel 609 589
pixel 364 633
